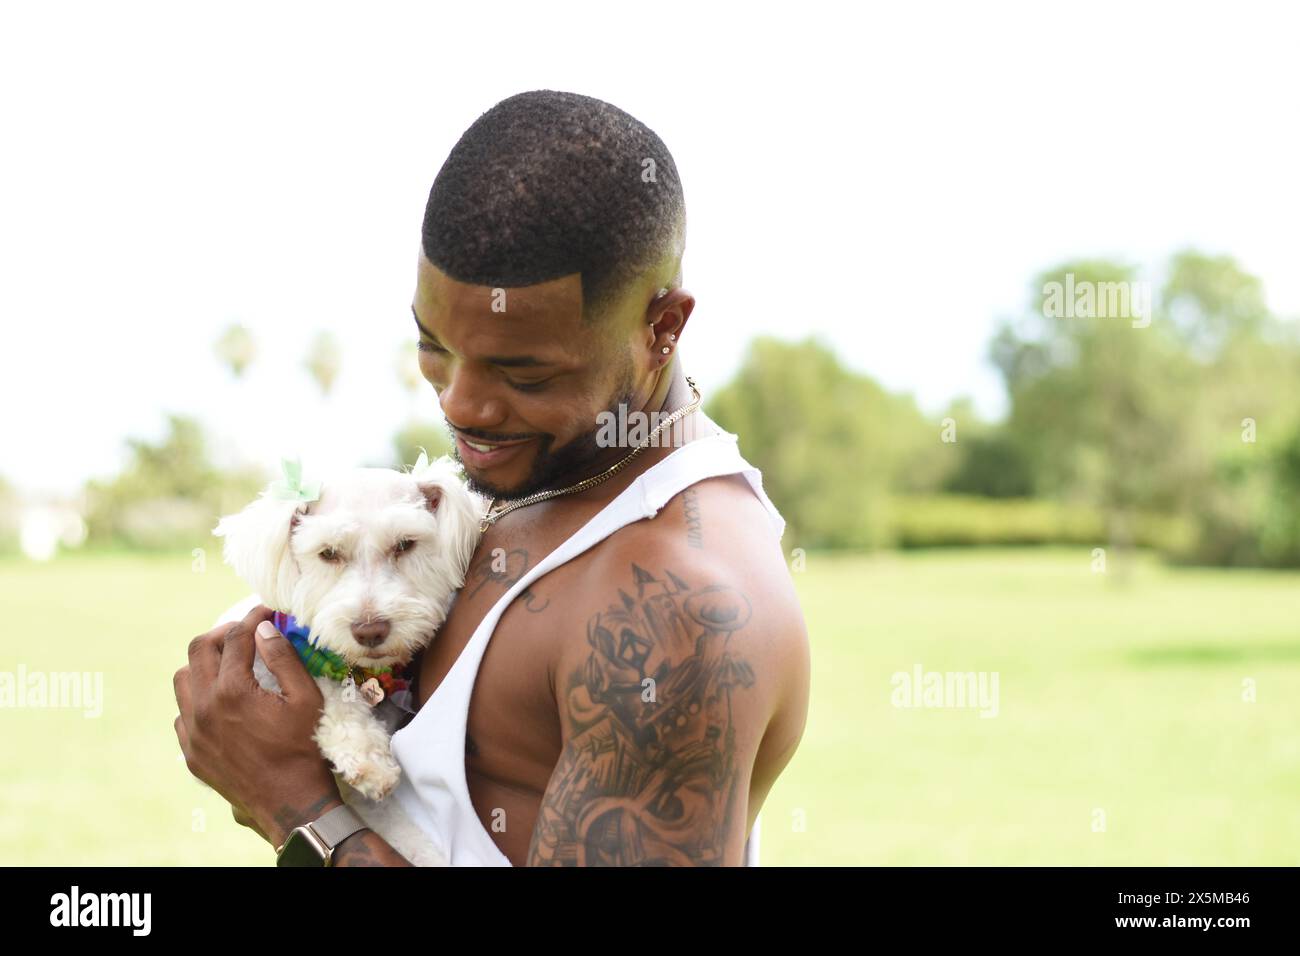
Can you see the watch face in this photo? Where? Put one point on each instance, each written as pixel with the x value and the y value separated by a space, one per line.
pixel 299 850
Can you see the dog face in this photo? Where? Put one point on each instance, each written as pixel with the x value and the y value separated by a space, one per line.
pixel 371 566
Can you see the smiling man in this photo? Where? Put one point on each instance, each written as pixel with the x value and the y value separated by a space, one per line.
pixel 626 670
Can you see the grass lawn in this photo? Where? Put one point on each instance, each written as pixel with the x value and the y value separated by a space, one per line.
pixel 1121 734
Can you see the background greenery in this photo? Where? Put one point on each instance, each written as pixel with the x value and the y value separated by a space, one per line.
pixel 1134 434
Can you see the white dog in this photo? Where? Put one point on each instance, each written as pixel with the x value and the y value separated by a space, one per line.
pixel 367 562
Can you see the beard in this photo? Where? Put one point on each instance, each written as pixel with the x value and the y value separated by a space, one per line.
pixel 570 463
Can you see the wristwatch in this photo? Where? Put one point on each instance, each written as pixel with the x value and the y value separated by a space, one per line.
pixel 312 844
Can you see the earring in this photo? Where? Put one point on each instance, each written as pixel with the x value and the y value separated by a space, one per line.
pixel 671 337
pixel 665 350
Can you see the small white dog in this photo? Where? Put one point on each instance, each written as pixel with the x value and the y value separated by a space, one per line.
pixel 367 563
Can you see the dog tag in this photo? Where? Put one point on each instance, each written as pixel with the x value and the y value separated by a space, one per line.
pixel 349 688
pixel 371 692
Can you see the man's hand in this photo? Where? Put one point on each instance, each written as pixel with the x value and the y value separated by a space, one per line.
pixel 252 746
pixel 244 820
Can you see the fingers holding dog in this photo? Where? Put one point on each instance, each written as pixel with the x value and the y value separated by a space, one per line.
pixel 282 660
pixel 236 666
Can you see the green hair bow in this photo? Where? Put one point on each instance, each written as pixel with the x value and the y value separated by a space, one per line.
pixel 291 486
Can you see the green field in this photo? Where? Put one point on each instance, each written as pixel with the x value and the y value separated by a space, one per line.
pixel 1120 705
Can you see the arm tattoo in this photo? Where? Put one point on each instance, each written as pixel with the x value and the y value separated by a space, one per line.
pixel 648 776
pixel 504 570
pixel 290 817
pixel 694 527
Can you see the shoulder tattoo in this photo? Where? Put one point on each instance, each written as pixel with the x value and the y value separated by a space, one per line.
pixel 648 776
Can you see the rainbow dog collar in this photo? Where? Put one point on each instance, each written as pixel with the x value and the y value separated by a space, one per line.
pixel 322 662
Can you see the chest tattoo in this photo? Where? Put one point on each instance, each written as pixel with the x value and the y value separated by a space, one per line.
pixel 502 569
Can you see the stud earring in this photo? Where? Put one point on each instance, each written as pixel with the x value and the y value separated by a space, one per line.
pixel 671 337
pixel 665 350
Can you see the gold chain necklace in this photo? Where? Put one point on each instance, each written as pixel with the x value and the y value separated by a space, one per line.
pixel 586 483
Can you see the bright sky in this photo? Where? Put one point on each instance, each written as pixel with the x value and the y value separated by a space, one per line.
pixel 889 180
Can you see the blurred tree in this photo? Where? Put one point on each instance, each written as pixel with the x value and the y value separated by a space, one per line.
pixel 236 349
pixel 431 436
pixel 1279 534
pixel 828 441
pixel 987 461
pixel 1099 400
pixel 992 464
pixel 169 494
pixel 324 360
pixel 1185 415
pixel 1213 303
pixel 1245 408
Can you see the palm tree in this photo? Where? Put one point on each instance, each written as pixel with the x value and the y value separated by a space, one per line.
pixel 323 361
pixel 236 349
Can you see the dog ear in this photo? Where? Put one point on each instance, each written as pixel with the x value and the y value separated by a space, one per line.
pixel 459 510
pixel 257 547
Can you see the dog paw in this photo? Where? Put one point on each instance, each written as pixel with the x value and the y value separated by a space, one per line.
pixel 375 778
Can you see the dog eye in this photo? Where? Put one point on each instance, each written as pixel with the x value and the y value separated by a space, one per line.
pixel 329 554
pixel 406 544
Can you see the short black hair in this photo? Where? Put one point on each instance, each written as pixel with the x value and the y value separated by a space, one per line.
pixel 546 184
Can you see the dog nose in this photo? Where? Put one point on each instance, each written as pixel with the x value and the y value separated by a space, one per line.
pixel 371 634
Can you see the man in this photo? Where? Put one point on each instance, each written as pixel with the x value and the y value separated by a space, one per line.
pixel 627 659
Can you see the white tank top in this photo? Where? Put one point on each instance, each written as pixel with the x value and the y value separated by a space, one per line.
pixel 433 789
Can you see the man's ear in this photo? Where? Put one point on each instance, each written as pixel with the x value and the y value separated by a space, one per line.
pixel 257 547
pixel 458 510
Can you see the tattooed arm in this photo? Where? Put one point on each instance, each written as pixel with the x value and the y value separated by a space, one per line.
pixel 662 704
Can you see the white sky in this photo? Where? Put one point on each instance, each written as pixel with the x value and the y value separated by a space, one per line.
pixel 888 179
